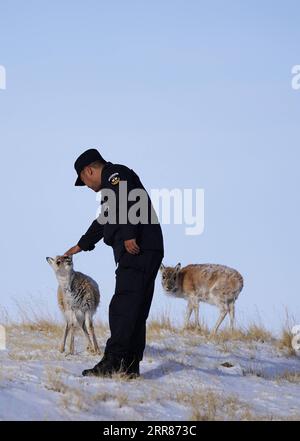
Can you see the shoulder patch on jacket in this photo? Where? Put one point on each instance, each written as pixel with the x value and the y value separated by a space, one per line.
pixel 114 179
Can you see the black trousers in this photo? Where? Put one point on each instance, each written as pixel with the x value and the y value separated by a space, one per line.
pixel 130 304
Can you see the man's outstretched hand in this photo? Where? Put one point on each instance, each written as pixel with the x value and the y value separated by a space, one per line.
pixel 74 250
pixel 131 246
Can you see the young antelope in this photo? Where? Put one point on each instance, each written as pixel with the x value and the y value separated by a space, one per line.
pixel 78 298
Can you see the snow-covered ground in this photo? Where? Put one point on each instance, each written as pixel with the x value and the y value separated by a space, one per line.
pixel 183 376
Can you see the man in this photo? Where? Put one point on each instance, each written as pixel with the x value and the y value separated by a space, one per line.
pixel 138 250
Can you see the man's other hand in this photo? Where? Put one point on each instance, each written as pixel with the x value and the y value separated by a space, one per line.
pixel 74 250
pixel 131 246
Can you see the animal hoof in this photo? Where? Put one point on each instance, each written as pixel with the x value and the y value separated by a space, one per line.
pixel 93 351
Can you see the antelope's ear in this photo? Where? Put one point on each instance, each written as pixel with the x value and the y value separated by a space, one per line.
pixel 162 267
pixel 50 260
pixel 177 267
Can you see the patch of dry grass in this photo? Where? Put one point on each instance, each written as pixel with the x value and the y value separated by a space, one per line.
pixel 74 399
pixel 16 356
pixel 258 333
pixel 46 326
pixel 54 380
pixel 103 396
pixel 208 405
pixel 253 333
pixel 285 342
pixel 32 317
pixel 24 343
pixel 254 370
pixel 202 329
pixel 248 415
pixel 123 400
pixel 162 323
pixel 292 377
pixel 120 377
pixel 224 347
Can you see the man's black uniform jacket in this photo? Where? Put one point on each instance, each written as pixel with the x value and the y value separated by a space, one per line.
pixel 148 235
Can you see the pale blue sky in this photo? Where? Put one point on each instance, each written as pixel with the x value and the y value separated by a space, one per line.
pixel 190 94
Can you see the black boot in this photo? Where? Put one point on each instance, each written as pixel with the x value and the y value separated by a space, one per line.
pixel 110 363
pixel 132 366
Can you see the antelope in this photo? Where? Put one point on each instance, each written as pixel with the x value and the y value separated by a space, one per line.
pixel 78 298
pixel 218 285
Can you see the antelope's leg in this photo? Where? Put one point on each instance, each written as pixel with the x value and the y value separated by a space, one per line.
pixel 72 339
pixel 90 327
pixel 196 312
pixel 89 341
pixel 219 321
pixel 189 311
pixel 66 332
pixel 232 314
pixel 80 316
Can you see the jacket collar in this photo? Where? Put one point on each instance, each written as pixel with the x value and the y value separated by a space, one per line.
pixel 106 166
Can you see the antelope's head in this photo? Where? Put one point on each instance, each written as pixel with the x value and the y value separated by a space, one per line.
pixel 169 277
pixel 61 265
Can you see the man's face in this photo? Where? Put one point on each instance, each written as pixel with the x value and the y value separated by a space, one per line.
pixel 91 177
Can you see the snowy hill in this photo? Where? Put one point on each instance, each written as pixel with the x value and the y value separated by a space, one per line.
pixel 184 376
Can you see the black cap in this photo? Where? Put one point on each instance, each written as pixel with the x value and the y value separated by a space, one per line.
pixel 86 158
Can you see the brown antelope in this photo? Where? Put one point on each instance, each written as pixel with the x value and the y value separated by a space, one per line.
pixel 217 285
